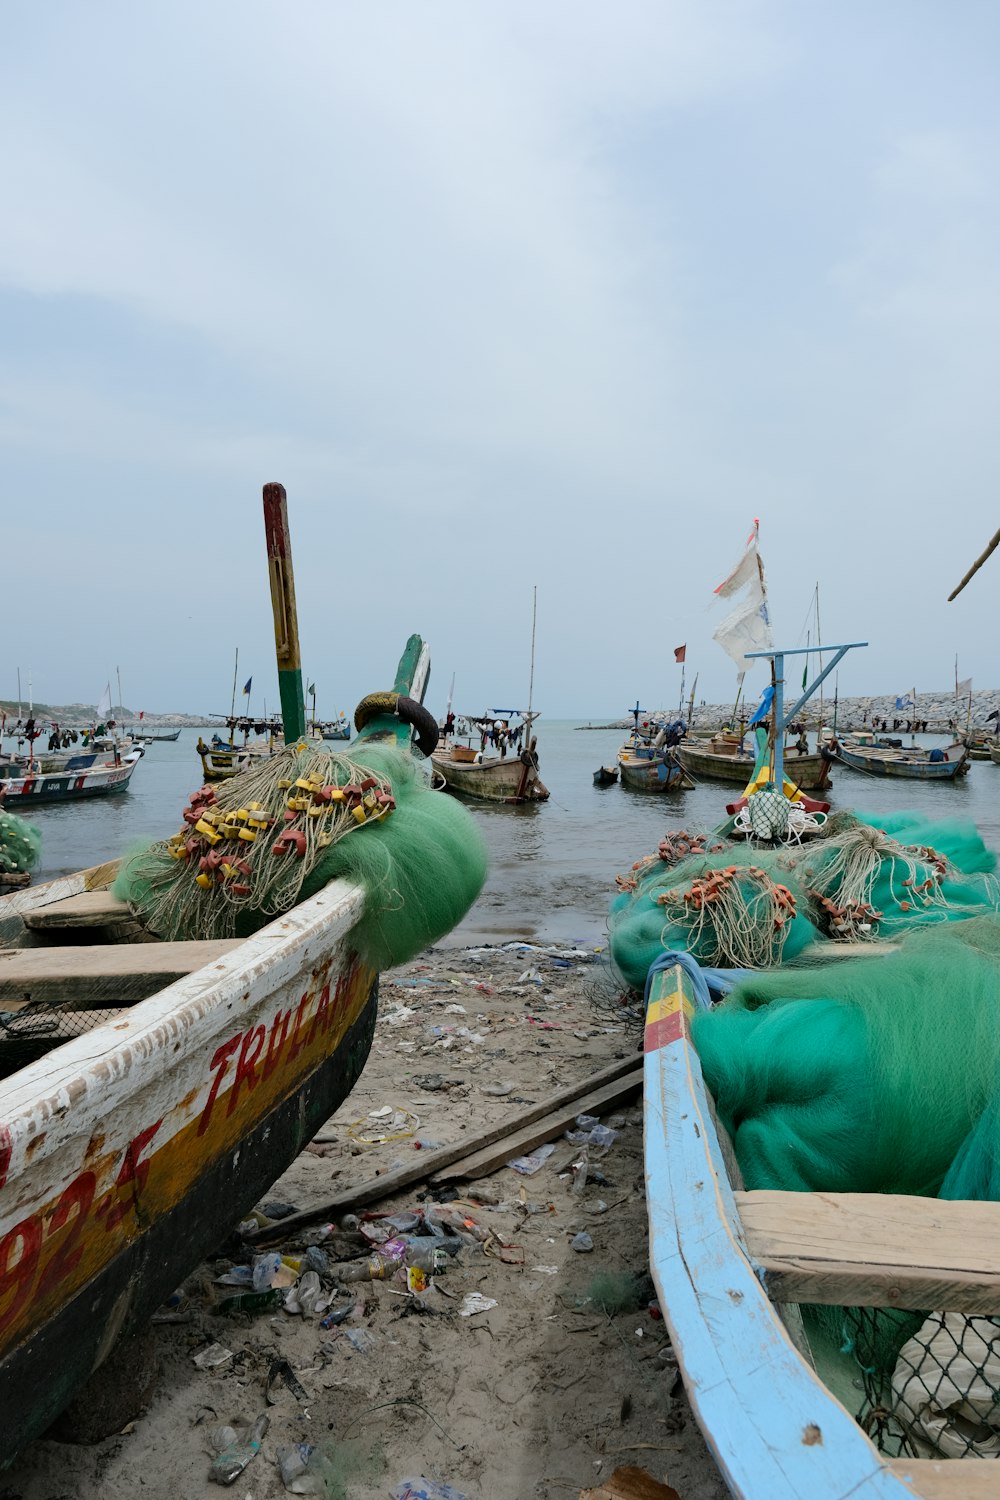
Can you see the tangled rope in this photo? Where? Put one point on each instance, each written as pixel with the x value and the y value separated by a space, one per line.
pixel 253 843
pixel 737 916
pixel 844 868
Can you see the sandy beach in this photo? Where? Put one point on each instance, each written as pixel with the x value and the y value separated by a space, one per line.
pixel 566 1375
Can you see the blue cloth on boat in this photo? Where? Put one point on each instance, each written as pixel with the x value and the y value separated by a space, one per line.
pixel 709 984
pixel 763 707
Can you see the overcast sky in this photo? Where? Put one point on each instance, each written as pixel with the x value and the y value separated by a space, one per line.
pixel 505 294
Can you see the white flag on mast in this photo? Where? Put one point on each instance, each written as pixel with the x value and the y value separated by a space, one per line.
pixel 748 625
pixel 104 707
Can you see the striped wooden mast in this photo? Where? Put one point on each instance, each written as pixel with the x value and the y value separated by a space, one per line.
pixel 286 625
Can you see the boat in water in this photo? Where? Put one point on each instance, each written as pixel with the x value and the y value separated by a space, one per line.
pixel 725 758
pixel 27 784
pixel 606 776
pixel 510 774
pixel 879 757
pixel 152 1091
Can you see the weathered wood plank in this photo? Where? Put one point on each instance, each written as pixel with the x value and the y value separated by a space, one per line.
pixel 944 1479
pixel 875 1250
pixel 378 1188
pixel 99 975
pixel 516 1143
pixel 88 909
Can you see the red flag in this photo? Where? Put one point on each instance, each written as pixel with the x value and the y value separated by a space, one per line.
pixel 142 713
pixel 680 652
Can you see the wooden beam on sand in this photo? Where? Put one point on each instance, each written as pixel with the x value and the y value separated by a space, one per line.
pixel 387 1183
pixel 481 1163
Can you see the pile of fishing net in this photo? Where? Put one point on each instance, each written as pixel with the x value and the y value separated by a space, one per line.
pixel 276 834
pixel 860 1074
pixel 726 908
pixel 737 906
pixel 20 845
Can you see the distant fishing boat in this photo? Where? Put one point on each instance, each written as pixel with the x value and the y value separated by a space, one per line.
pixel 721 759
pixel 866 752
pixel 510 773
pixel 22 788
pixel 647 761
pixel 173 735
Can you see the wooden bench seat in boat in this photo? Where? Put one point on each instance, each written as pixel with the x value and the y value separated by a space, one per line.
pixel 88 909
pixel 875 1250
pixel 98 977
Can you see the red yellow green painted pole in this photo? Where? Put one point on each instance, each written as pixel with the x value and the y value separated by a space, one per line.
pixel 286 625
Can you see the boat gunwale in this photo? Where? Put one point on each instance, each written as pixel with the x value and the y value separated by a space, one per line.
pixel 776 1438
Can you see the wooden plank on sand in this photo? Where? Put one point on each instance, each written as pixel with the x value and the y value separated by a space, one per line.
pixel 98 975
pixel 491 1158
pixel 875 1250
pixel 377 1188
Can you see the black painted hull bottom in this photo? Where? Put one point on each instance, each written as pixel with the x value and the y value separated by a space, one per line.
pixel 39 1378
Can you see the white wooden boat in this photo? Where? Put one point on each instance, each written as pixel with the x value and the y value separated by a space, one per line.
pixel 150 1093
pixel 730 1268
pixel 21 789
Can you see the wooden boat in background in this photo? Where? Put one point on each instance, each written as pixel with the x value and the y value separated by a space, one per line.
pixel 169 1085
pixel 864 752
pixel 512 778
pixel 645 769
pixel 720 759
pixel 731 1267
pixel 172 735
pixel 606 776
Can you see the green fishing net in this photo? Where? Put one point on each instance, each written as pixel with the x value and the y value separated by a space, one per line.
pixel 743 920
pixel 277 834
pixel 860 879
pixel 20 845
pixel 862 1074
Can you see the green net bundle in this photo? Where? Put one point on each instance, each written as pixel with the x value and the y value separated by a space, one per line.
pixel 860 879
pixel 862 1074
pixel 736 908
pixel 20 845
pixel 276 834
pixel 879 876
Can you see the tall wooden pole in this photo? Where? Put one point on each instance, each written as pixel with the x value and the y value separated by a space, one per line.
pixel 286 625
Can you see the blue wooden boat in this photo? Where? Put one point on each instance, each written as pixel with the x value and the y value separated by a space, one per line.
pixel 731 1267
pixel 915 763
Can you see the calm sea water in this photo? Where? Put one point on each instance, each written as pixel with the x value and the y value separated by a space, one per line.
pixel 553 865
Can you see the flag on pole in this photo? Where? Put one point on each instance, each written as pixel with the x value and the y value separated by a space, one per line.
pixel 680 652
pixel 142 713
pixel 246 687
pixel 904 702
pixel 104 707
pixel 961 688
pixel 311 690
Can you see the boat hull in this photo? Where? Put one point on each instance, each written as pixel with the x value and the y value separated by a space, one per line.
pixel 22 792
pixel 774 1438
pixel 606 776
pixel 131 1151
pixel 896 763
pixel 642 774
pixel 811 772
pixel 492 780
